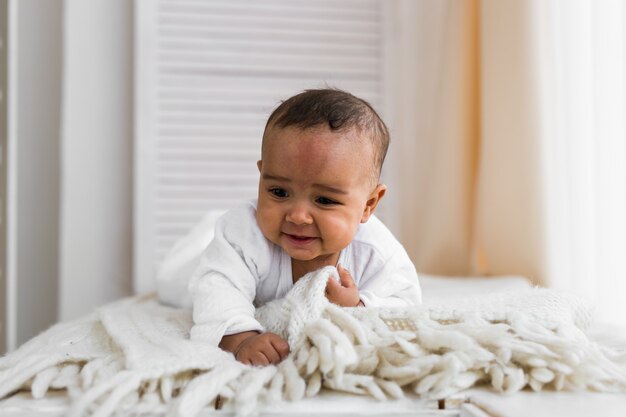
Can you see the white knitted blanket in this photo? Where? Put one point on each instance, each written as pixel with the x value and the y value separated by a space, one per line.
pixel 137 353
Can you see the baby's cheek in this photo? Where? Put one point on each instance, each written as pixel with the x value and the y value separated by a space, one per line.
pixel 266 221
pixel 341 230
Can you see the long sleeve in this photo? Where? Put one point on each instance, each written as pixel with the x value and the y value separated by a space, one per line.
pixel 174 273
pixel 223 287
pixel 394 285
pixel 384 273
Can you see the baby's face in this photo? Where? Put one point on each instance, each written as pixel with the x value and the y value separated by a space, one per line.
pixel 314 190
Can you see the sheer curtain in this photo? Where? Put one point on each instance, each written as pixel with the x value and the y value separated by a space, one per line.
pixel 513 142
pixel 585 150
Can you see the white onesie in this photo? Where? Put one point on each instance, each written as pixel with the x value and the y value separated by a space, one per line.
pixel 241 269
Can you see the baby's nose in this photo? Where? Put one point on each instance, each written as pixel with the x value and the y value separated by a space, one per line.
pixel 299 214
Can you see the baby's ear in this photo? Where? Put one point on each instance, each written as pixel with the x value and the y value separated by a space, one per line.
pixel 372 201
pixel 259 164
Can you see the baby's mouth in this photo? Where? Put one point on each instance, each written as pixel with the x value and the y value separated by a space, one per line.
pixel 300 239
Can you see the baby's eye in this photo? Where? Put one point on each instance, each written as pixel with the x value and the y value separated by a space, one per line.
pixel 278 192
pixel 325 201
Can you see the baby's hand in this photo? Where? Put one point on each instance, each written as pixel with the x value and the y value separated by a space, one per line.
pixel 346 293
pixel 262 349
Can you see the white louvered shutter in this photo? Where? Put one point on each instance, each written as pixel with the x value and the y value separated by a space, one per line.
pixel 207 75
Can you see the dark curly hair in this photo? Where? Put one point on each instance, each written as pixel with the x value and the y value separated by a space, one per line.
pixel 337 109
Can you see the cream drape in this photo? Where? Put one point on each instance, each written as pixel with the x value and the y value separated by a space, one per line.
pixel 436 132
pixel 510 141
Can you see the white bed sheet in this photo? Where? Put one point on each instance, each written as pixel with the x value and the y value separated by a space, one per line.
pixel 327 403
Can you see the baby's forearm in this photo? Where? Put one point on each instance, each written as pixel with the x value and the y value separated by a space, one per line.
pixel 231 342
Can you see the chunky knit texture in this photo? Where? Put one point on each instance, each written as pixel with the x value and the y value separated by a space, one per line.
pixel 137 353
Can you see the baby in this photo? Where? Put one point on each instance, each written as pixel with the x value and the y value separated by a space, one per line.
pixel 321 159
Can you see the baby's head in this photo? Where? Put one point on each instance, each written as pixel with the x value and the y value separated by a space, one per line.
pixel 322 154
pixel 338 112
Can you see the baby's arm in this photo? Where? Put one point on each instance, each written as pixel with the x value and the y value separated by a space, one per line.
pixel 395 285
pixel 344 293
pixel 223 288
pixel 218 307
pixel 254 348
pixel 222 305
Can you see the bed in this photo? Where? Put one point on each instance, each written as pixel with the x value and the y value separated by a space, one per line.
pixel 472 402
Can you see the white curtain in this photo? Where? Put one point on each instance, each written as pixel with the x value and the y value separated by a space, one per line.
pixel 585 150
pixel 511 142
pixel 553 145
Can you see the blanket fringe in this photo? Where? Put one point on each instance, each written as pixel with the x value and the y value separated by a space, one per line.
pixel 203 390
pixel 380 353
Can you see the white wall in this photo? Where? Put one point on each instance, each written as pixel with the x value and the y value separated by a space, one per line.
pixel 33 177
pixel 3 172
pixel 96 183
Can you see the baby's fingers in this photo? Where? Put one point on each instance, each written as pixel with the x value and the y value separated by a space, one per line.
pixel 270 354
pixel 280 346
pixel 345 277
pixel 252 358
pixel 332 286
